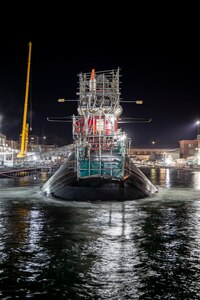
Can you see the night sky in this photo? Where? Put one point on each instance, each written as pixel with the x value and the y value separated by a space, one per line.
pixel 159 58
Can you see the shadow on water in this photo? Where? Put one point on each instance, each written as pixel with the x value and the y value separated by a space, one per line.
pixel 141 249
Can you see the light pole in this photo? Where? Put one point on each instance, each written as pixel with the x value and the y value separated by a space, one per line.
pixel 198 131
pixel 198 138
pixel 1 117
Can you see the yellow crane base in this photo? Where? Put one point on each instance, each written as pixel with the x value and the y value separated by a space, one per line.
pixel 21 155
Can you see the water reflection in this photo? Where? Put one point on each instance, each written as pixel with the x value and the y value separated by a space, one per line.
pixel 118 255
pixel 169 177
pixel 143 249
pixel 196 180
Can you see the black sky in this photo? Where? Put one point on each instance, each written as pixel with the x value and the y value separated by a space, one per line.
pixel 158 54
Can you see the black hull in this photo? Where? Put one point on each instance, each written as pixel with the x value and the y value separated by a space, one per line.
pixel 107 192
pixel 63 185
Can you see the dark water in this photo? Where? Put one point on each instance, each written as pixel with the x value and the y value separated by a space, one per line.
pixel 143 249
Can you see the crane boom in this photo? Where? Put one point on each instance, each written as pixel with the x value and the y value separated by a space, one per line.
pixel 24 135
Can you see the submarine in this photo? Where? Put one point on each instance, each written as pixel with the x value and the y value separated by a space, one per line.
pixel 99 166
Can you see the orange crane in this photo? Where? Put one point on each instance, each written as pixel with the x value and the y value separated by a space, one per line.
pixel 25 125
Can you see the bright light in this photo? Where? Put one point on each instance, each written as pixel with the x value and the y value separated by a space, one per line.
pixel 197 123
pixel 139 101
pixel 122 137
pixel 168 160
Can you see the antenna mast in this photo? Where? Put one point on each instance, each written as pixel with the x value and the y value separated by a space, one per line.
pixel 25 126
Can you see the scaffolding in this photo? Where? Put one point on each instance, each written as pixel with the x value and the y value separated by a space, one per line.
pixel 100 145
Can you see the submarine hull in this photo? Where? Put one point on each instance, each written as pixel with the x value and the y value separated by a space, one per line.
pixel 63 184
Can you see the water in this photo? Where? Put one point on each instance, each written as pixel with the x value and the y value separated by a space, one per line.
pixel 142 249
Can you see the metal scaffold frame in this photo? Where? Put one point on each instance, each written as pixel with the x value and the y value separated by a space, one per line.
pixel 100 144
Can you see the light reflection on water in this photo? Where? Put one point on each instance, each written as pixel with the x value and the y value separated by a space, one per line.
pixel 196 180
pixel 140 249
